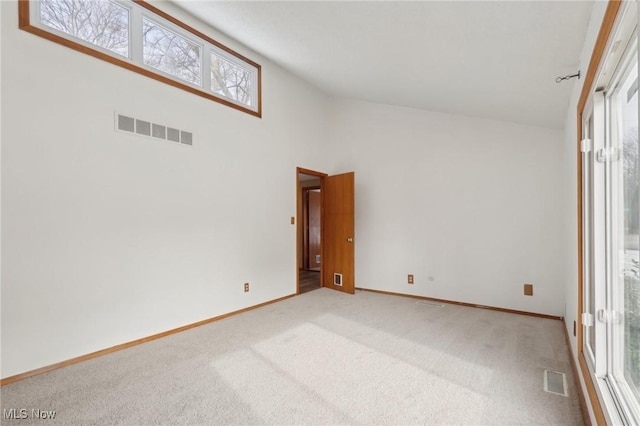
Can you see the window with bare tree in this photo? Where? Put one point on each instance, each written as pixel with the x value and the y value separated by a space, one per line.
pixel 100 23
pixel 230 80
pixel 166 51
pixel 142 38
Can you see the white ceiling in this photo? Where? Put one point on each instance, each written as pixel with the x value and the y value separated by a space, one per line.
pixel 493 59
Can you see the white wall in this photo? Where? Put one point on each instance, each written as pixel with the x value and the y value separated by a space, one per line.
pixel 109 237
pixel 1 105
pixel 570 208
pixel 471 207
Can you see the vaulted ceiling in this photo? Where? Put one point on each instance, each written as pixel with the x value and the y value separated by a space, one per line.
pixel 494 59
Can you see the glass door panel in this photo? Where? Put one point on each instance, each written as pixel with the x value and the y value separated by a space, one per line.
pixel 625 221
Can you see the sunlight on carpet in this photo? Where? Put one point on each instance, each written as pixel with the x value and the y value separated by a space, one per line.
pixel 315 370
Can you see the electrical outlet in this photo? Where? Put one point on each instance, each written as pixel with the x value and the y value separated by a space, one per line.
pixel 410 279
pixel 246 287
pixel 528 289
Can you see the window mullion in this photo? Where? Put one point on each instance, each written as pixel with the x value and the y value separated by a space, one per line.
pixel 611 120
pixel 599 236
pixel 254 88
pixel 135 35
pixel 206 67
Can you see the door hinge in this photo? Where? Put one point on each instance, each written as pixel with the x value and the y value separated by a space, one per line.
pixel 587 319
pixel 608 155
pixel 586 145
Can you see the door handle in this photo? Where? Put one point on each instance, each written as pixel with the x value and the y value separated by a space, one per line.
pixel 350 239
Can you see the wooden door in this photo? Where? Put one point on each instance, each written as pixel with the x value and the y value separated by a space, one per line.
pixel 338 242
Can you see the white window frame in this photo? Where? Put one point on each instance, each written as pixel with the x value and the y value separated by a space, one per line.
pixel 621 405
pixel 252 71
pixel 34 18
pixel 594 252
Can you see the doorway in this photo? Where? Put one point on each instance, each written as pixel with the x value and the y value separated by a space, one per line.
pixel 312 227
pixel 309 231
pixel 333 230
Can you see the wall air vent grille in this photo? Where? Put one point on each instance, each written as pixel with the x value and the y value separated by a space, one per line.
pixel 158 131
pixel 136 126
pixel 186 137
pixel 173 135
pixel 337 279
pixel 143 127
pixel 126 124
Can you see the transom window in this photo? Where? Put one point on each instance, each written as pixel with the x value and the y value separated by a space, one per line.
pixel 103 24
pixel 230 78
pixel 139 37
pixel 166 51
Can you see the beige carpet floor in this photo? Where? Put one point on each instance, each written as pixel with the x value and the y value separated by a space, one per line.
pixel 322 358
